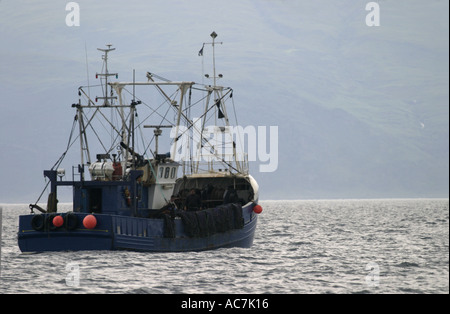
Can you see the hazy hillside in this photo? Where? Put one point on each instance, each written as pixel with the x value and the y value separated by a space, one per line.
pixel 362 111
pixel 366 113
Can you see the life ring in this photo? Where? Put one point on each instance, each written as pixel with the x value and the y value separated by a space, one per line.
pixel 38 222
pixel 71 221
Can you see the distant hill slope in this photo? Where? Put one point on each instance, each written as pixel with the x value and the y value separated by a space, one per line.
pixel 364 110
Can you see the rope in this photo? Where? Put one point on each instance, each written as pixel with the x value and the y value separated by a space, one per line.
pixel 60 160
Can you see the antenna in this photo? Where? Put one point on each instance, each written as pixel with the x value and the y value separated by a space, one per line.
pixel 157 131
pixel 87 70
pixel 106 74
pixel 213 43
pixel 214 35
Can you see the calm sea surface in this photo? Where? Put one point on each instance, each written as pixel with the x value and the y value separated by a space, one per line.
pixel 333 246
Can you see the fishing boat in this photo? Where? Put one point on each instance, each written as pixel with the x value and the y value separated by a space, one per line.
pixel 198 196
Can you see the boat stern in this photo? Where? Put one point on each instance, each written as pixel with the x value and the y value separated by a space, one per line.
pixel 70 232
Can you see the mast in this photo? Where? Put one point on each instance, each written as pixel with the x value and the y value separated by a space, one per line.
pixel 106 74
pixel 157 132
pixel 214 150
pixel 213 44
pixel 214 35
pixel 219 106
pixel 108 101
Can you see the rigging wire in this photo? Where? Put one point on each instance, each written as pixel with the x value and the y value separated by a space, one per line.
pixel 60 160
pixel 115 134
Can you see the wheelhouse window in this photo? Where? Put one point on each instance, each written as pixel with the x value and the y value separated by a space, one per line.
pixel 166 174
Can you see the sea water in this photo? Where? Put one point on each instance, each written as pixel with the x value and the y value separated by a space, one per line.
pixel 314 246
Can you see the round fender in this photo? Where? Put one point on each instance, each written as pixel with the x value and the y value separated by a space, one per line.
pixel 71 221
pixel 38 222
pixel 49 222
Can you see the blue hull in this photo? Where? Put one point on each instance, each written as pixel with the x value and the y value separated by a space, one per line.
pixel 115 232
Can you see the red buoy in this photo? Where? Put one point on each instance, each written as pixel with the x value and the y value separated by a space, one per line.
pixel 89 222
pixel 257 209
pixel 58 221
